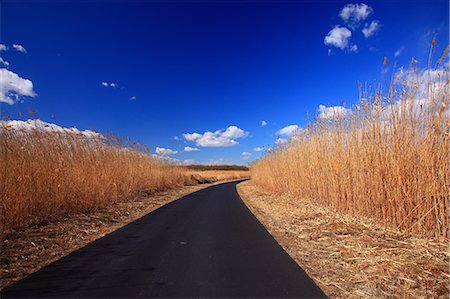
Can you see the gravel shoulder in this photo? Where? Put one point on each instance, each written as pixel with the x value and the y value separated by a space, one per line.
pixel 349 257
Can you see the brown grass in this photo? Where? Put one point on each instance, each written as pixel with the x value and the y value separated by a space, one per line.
pixel 350 257
pixel 216 167
pixel 45 175
pixel 388 160
pixel 218 175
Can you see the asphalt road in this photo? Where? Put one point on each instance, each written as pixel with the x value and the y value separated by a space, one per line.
pixel 206 244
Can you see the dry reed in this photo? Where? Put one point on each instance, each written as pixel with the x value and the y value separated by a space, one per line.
pixel 387 160
pixel 219 175
pixel 47 174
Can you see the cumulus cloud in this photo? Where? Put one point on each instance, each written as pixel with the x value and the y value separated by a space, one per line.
pixel 281 141
pixel 210 139
pixel 167 159
pixel 424 90
pixel 354 14
pixel 19 48
pixel 220 161
pixel 339 37
pixel 426 85
pixel 173 161
pixel 112 84
pixel 188 162
pixel 3 47
pixel 42 126
pixel 263 123
pixel 259 149
pixel 190 149
pixel 246 155
pixel 192 137
pixel 234 132
pixel 219 138
pixel 133 98
pixel 332 112
pixel 370 30
pixel 4 62
pixel 13 87
pixel 165 151
pixel 288 130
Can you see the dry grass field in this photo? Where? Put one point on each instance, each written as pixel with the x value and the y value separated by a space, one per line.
pixel 49 175
pixel 387 159
pixel 351 257
pixel 209 176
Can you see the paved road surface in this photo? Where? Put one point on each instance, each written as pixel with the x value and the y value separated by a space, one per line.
pixel 206 244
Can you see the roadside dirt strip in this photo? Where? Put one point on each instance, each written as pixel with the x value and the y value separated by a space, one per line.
pixel 349 257
pixel 29 250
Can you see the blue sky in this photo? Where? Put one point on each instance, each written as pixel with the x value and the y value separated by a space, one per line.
pixel 160 71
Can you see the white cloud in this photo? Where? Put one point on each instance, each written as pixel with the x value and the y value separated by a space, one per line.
pixel 19 48
pixel 354 14
pixel 246 155
pixel 425 84
pixel 426 91
pixel 190 149
pixel 12 87
pixel 370 30
pixel 133 98
pixel 219 138
pixel 259 149
pixel 281 141
pixel 106 84
pixel 174 161
pixel 176 138
pixel 42 126
pixel 3 47
pixel 167 159
pixel 220 161
pixel 188 162
pixel 288 130
pixel 332 112
pixel 165 151
pixel 339 37
pixel 263 123
pixel 234 132
pixel 192 137
pixel 398 52
pixel 215 140
pixel 4 62
pixel 353 48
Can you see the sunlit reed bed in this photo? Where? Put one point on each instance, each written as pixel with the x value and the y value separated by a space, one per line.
pixel 51 174
pixel 387 159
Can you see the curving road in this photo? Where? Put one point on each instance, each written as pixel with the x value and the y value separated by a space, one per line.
pixel 206 244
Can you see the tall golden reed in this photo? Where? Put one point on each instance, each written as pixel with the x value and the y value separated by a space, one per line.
pixel 47 174
pixel 388 159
